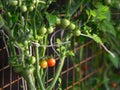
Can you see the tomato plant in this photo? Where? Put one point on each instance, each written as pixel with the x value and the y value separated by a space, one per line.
pixel 28 26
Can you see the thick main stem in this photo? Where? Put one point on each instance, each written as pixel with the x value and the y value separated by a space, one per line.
pixel 37 69
pixel 31 83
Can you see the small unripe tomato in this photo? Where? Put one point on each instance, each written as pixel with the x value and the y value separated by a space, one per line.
pixel 43 64
pixel 23 8
pixel 58 21
pixel 30 8
pixel 51 62
pixel 71 26
pixel 42 30
pixel 13 2
pixel 76 32
pixel 32 60
pixel 64 23
pixel 50 30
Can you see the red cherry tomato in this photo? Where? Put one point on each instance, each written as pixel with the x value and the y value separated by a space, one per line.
pixel 113 85
pixel 51 62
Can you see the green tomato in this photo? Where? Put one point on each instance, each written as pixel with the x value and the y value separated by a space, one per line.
pixel 13 2
pixel 32 60
pixel 58 21
pixel 64 23
pixel 42 30
pixel 26 43
pixel 31 8
pixel 23 8
pixel 50 30
pixel 71 26
pixel 76 32
pixel 35 1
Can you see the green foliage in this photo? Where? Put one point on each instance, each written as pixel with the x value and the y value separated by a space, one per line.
pixel 114 61
pixel 51 19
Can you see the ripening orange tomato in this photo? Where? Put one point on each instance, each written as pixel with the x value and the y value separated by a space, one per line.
pixel 43 64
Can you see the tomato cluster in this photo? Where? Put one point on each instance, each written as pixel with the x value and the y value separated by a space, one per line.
pixel 47 63
pixel 23 6
pixel 66 24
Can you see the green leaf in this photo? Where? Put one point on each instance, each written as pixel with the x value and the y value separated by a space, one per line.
pixel 114 60
pixel 51 18
pixel 106 80
pixel 108 27
pixel 58 41
pixel 70 53
pixel 1 21
pixel 93 13
pixel 102 13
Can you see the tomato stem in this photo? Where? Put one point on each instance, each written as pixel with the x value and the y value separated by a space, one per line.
pixel 31 83
pixel 37 69
pixel 23 61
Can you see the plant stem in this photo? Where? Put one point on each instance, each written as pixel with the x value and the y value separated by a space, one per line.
pixel 30 83
pixel 36 52
pixel 23 61
pixel 37 69
pixel 60 65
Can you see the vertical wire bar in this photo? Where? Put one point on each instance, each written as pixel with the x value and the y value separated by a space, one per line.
pixel 67 72
pixel 3 73
pixel 79 68
pixel 47 51
pixel 54 56
pixel 61 40
pixel 18 83
pixel 85 71
pixel 93 52
pixel 73 74
pixel 10 78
